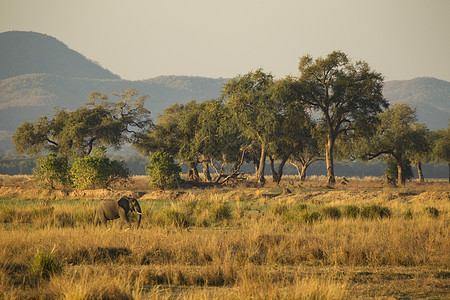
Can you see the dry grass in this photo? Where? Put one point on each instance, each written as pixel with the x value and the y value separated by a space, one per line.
pixel 231 243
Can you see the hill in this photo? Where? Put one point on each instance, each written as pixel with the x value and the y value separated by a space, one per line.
pixel 30 52
pixel 39 73
pixel 430 96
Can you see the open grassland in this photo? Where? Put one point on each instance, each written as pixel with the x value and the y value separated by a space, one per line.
pixel 358 240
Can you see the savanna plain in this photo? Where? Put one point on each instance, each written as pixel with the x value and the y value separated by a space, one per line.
pixel 363 239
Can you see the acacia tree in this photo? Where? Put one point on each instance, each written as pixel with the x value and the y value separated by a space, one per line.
pixel 421 153
pixel 347 95
pixel 174 133
pixel 249 101
pixel 397 135
pixel 97 123
pixel 308 152
pixel 291 126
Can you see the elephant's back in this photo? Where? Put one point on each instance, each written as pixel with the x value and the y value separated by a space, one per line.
pixel 109 208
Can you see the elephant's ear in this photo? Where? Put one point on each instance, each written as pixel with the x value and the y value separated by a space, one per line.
pixel 123 202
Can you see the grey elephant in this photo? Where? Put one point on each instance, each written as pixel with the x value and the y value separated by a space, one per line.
pixel 113 209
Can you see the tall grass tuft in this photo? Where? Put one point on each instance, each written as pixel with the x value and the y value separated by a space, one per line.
pixel 45 264
pixel 351 211
pixel 375 212
pixel 431 212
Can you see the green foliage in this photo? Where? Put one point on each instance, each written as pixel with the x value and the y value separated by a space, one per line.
pixel 431 212
pixel 300 214
pixel 162 171
pixel 78 132
pixel 50 170
pixel 174 216
pixel 391 169
pixel 351 211
pixel 45 264
pixel 330 212
pixel 375 212
pixel 441 145
pixel 348 96
pixel 97 171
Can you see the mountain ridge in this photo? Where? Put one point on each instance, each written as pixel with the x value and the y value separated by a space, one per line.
pixel 27 96
pixel 27 52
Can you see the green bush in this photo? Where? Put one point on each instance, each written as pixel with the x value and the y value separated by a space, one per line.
pixel 375 212
pixel 331 212
pixel 97 171
pixel 174 216
pixel 220 211
pixel 44 264
pixel 391 169
pixel 351 211
pixel 162 171
pixel 52 170
pixel 431 212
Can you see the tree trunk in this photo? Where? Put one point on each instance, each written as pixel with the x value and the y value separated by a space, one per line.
pixel 303 173
pixel 262 163
pixel 419 172
pixel 276 178
pixel 399 171
pixel 329 160
pixel 277 175
pixel 206 172
pixel 194 174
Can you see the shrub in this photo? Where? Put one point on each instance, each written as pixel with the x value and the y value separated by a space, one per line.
pixel 391 169
pixel 162 171
pixel 220 211
pixel 50 170
pixel 310 217
pixel 45 264
pixel 174 216
pixel 351 211
pixel 97 171
pixel 431 212
pixel 279 208
pixel 331 212
pixel 408 214
pixel 375 212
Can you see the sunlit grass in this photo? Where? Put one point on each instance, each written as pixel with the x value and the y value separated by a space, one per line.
pixel 234 243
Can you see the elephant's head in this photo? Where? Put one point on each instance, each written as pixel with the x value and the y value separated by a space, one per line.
pixel 131 204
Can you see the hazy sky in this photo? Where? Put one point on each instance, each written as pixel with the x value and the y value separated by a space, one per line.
pixel 402 39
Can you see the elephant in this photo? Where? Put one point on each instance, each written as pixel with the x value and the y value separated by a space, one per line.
pixel 112 209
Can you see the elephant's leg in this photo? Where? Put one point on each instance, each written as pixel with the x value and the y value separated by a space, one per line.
pixel 101 216
pixel 124 218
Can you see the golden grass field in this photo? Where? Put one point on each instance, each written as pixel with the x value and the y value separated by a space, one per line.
pixel 358 240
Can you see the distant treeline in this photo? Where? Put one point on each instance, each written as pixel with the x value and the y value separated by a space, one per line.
pixel 136 164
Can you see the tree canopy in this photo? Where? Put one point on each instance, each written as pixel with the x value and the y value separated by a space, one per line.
pixel 397 135
pixel 348 96
pixel 97 123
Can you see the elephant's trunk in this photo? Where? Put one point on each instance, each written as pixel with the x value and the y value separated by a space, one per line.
pixel 139 212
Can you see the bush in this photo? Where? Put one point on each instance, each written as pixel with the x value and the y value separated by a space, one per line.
pixel 431 212
pixel 220 211
pixel 50 170
pixel 375 212
pixel 45 264
pixel 351 211
pixel 97 171
pixel 331 212
pixel 162 171
pixel 391 169
pixel 279 208
pixel 174 216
